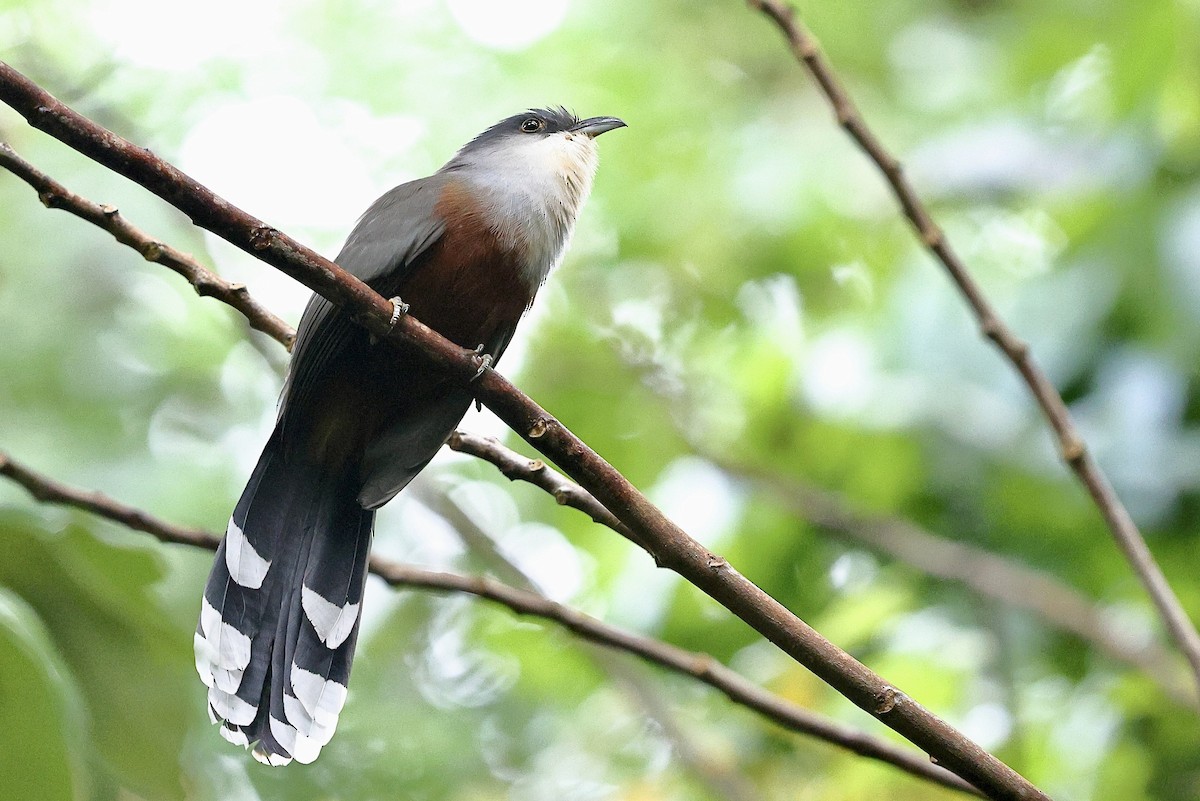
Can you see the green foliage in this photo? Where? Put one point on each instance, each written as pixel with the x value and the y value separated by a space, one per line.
pixel 39 728
pixel 741 289
pixel 108 653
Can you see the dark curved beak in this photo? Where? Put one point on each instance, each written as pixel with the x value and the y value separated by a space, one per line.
pixel 594 126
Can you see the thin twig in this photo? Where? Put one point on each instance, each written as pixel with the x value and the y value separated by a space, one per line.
pixel 1070 443
pixel 667 543
pixel 206 283
pixel 524 602
pixel 46 490
pixel 516 467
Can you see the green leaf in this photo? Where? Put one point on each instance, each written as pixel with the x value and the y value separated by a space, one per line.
pixel 99 606
pixel 42 736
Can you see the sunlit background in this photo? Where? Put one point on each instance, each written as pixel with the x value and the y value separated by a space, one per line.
pixel 742 304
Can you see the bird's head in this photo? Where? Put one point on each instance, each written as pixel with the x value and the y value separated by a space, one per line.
pixel 538 145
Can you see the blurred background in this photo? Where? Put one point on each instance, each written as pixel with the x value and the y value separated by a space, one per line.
pixel 744 326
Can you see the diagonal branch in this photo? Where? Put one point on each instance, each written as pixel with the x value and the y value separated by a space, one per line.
pixel 524 602
pixel 516 467
pixel 206 283
pixel 670 546
pixel 1070 444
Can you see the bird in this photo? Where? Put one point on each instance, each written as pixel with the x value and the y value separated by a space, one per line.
pixel 464 251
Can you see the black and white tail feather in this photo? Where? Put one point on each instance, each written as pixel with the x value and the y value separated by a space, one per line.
pixel 281 608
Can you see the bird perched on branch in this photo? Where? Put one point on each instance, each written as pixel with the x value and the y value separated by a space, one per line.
pixel 466 249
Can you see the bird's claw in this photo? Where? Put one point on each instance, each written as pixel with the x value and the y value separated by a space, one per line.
pixel 399 309
pixel 485 361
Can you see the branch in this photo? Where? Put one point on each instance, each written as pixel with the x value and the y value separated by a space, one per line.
pixel 206 283
pixel 46 490
pixel 523 602
pixel 516 467
pixel 1070 444
pixel 670 546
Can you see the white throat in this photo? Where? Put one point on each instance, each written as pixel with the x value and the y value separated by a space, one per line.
pixel 532 192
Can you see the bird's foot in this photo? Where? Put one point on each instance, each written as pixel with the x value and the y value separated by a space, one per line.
pixel 484 360
pixel 399 309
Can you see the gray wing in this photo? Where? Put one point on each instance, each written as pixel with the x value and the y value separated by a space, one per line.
pixel 388 238
pixel 396 456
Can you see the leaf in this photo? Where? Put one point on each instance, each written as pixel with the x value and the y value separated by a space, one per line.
pixel 42 734
pixel 132 664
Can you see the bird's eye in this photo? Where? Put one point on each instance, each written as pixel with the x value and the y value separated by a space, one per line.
pixel 532 125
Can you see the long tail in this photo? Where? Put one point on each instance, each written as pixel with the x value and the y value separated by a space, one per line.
pixel 281 608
